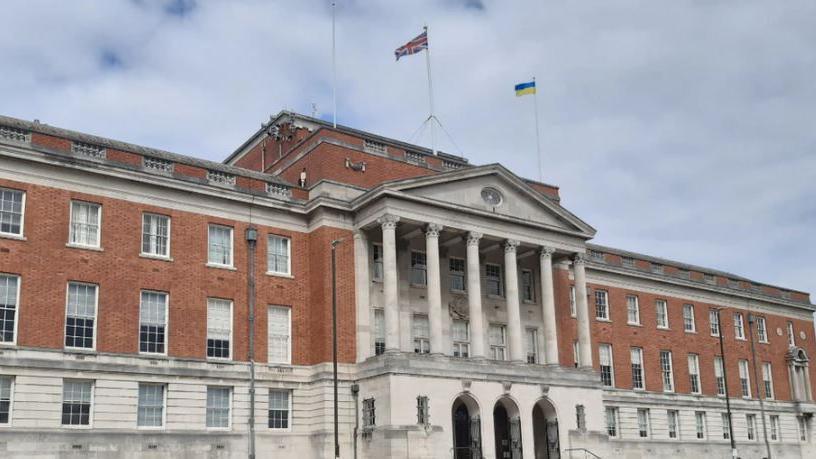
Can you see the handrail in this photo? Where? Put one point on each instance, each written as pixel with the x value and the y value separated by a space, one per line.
pixel 586 451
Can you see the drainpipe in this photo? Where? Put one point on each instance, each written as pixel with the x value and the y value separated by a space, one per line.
pixel 355 392
pixel 251 240
pixel 725 383
pixel 751 320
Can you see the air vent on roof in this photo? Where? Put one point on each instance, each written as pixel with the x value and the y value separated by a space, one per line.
pixel 14 134
pixel 220 178
pixel 277 190
pixel 374 147
pixel 158 165
pixel 88 150
pixel 450 165
pixel 414 157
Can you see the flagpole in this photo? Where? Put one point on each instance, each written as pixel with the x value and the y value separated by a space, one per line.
pixel 431 117
pixel 334 70
pixel 538 136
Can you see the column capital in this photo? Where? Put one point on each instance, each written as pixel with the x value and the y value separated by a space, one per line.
pixel 433 230
pixel 510 245
pixel 473 238
pixel 579 259
pixel 388 221
pixel 546 252
pixel 360 235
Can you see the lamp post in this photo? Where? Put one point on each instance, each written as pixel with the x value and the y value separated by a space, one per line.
pixel 751 320
pixel 334 245
pixel 725 383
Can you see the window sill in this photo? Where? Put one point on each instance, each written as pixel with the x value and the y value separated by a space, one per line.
pixel 495 297
pixel 79 350
pixel 281 275
pixel 85 247
pixel 763 342
pixel 14 237
pixel 217 266
pixel 663 328
pixel 741 339
pixel 691 332
pixel 155 257
pixel 150 428
pixel 632 324
pixel 458 292
pixel 529 302
pixel 76 427
pixel 601 319
pixel 153 355
pixel 218 360
pixel 419 286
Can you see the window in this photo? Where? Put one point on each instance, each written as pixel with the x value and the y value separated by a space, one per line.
pixel 531 335
pixel 279 409
pixel 767 380
pixel 421 331
pixel 80 322
pixel 694 373
pixel 801 424
pixel 726 428
pixel 369 413
pixel 662 309
pixel 86 219
pixel 636 355
pixel 714 322
pixel 628 262
pixel 9 299
pixel 151 405
pixel 379 331
pixel 580 417
pixel 739 328
pixel 527 286
pixel 278 260
pixel 76 403
pixel 699 420
pixel 774 427
pixel 750 421
pixel 657 268
pixel 791 336
pixel 719 375
pixel 745 380
pixel 377 262
pixel 279 335
pixel 497 335
pixel 672 420
pixel 573 311
pixel 461 338
pixel 688 318
pixel 12 205
pixel 423 410
pixel 643 422
pixel 762 331
pixel 6 383
pixel 605 360
pixel 220 245
pixel 632 310
pixel 493 278
pixel 219 328
pixel 218 407
pixel 666 371
pixel 419 270
pixel 457 274
pixel 156 235
pixel 601 305
pixel 612 421
pixel 575 353
pixel 153 323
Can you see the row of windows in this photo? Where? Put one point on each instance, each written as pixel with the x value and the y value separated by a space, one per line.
pixel 493 277
pixel 81 314
pixel 78 400
pixel 85 231
pixel 667 372
pixel 602 311
pixel 701 428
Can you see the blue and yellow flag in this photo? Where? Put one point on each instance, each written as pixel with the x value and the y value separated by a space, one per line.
pixel 522 89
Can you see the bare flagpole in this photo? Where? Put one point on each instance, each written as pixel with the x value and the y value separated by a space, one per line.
pixel 334 70
pixel 538 136
pixel 431 117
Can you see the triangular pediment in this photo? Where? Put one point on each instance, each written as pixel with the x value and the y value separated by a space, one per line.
pixel 495 190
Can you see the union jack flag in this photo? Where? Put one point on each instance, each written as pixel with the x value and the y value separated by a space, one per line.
pixel 414 46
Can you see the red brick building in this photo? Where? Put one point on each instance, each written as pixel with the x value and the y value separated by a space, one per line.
pixel 475 318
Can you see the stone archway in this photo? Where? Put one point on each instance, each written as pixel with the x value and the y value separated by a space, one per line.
pixel 545 430
pixel 507 429
pixel 467 428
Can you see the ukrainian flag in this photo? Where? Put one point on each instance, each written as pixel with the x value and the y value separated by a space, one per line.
pixel 522 89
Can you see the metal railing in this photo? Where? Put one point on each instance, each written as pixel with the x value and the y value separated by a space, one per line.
pixel 466 452
pixel 587 453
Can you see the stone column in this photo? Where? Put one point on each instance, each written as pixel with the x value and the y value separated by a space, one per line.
pixel 434 286
pixel 548 307
pixel 390 287
pixel 582 313
pixel 511 293
pixel 474 287
pixel 362 285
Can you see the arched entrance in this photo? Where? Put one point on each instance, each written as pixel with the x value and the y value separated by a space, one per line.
pixel 545 431
pixel 507 429
pixel 467 428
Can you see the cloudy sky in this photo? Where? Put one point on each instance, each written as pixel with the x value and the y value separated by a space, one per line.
pixel 678 129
